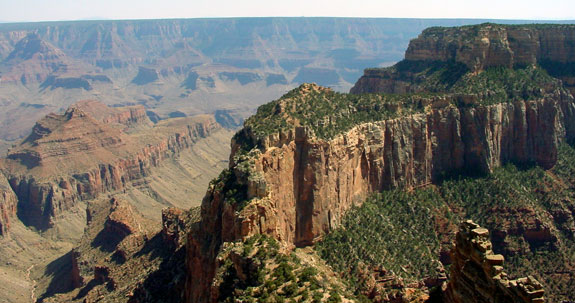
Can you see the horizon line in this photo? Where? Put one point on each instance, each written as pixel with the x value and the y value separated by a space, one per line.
pixel 285 17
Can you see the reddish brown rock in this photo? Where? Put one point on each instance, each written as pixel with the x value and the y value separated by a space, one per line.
pixel 483 46
pixel 128 116
pixel 477 273
pixel 73 157
pixel 121 221
pixel 301 186
pixel 8 205
pixel 298 187
pixel 33 60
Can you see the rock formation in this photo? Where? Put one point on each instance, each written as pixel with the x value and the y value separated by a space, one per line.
pixel 299 187
pixel 480 47
pixel 99 60
pixel 127 116
pixel 287 181
pixel 73 156
pixel 145 76
pixel 8 205
pixel 33 60
pixel 477 272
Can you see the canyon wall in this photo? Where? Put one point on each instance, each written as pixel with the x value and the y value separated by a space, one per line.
pixel 296 186
pixel 8 205
pixel 52 179
pixel 478 48
pixel 299 187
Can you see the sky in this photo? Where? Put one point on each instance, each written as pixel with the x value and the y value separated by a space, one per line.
pixel 56 10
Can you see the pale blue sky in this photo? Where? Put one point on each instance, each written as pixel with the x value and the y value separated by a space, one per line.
pixel 44 10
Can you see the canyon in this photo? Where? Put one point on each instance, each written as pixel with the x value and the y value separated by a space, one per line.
pixel 287 182
pixel 110 195
pixel 188 66
pixel 66 171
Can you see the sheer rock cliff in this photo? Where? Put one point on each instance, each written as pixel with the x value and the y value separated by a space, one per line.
pixel 296 185
pixel 478 48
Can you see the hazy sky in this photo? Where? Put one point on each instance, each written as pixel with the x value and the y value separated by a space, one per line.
pixel 42 10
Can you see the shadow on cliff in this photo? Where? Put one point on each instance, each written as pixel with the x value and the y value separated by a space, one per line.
pixel 60 273
pixel 474 173
pixel 107 241
pixel 167 283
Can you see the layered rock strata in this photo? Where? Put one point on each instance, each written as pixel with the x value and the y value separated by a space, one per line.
pixel 477 272
pixel 480 47
pixel 296 186
pixel 299 187
pixel 128 116
pixel 74 157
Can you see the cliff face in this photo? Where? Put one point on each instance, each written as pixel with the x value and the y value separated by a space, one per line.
pixel 301 186
pixel 128 116
pixel 477 273
pixel 289 178
pixel 481 47
pixel 8 205
pixel 74 157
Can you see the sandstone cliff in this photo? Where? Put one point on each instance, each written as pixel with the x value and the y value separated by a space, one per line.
pixel 477 273
pixel 73 157
pixel 8 205
pixel 480 47
pixel 304 160
pixel 298 186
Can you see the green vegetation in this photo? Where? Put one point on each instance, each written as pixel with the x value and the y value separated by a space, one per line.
pixel 391 229
pixel 400 231
pixel 268 275
pixel 235 192
pixel 498 84
pixel 328 113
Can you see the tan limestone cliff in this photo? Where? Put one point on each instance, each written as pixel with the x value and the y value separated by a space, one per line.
pixel 477 272
pixel 128 116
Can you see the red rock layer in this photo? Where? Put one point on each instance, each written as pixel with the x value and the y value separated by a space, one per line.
pixel 8 205
pixel 33 60
pixel 489 45
pixel 477 273
pixel 89 161
pixel 128 116
pixel 302 186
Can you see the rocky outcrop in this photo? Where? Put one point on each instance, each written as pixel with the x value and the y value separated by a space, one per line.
pixel 296 186
pixel 129 116
pixel 175 225
pixel 145 76
pixel 121 221
pixel 480 47
pixel 73 157
pixel 8 205
pixel 33 60
pixel 299 187
pixel 477 272
pixel 487 45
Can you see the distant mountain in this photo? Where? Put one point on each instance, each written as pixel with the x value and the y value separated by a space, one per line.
pixel 190 66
